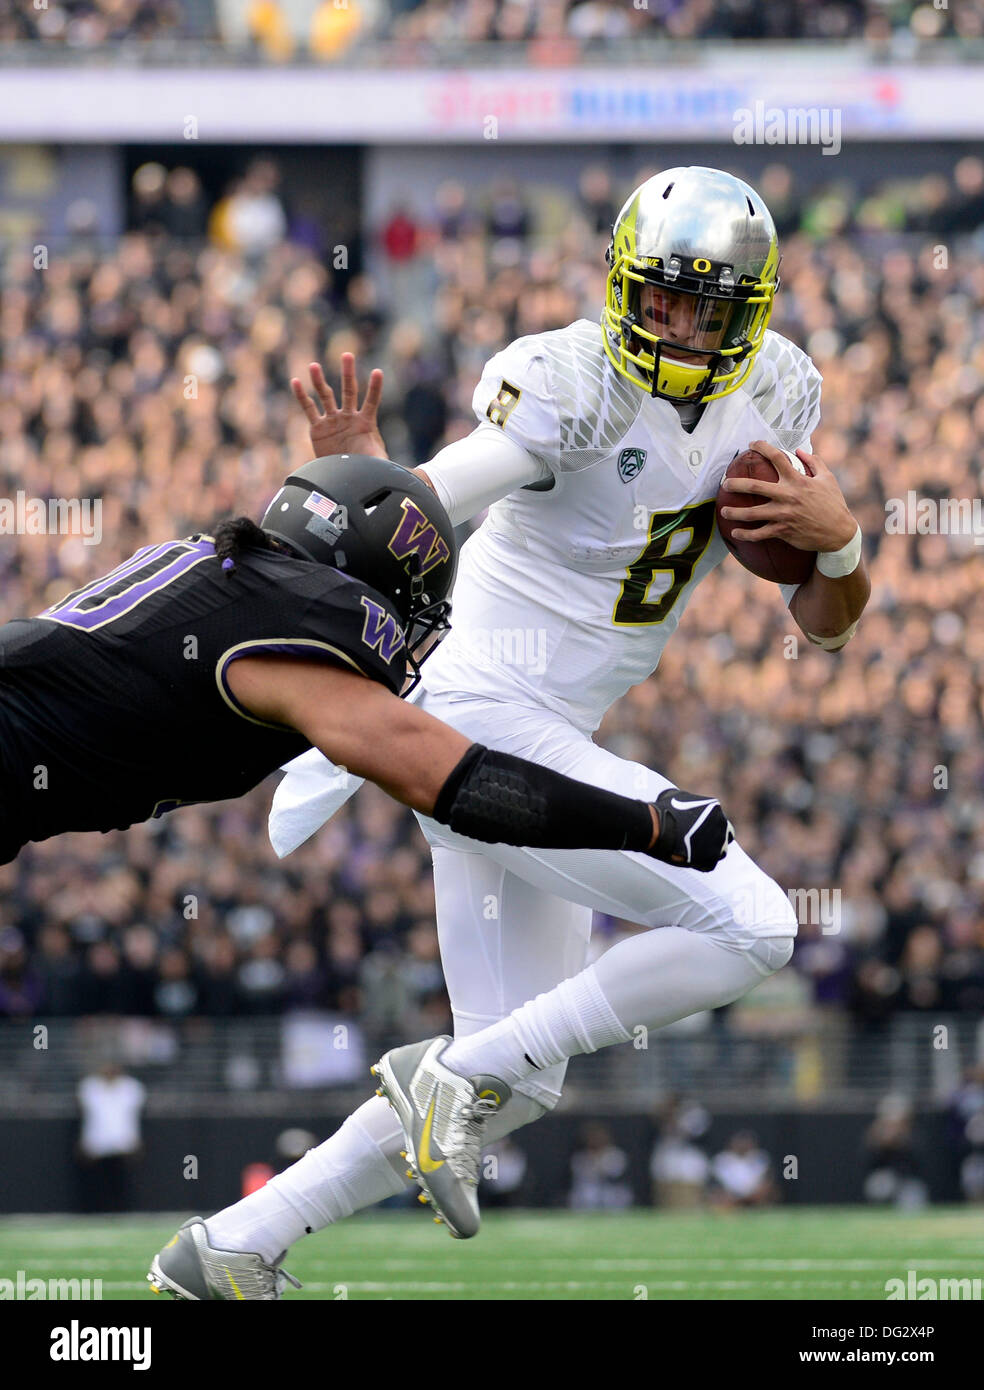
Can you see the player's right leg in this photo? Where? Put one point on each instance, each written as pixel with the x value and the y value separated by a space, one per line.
pixel 358 1166
pixel 502 940
pixel 714 936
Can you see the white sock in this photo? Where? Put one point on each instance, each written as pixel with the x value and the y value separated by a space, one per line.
pixel 574 1017
pixel 355 1168
pixel 311 1195
pixel 647 980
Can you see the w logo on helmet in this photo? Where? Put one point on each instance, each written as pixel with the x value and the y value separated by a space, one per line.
pixel 380 631
pixel 415 535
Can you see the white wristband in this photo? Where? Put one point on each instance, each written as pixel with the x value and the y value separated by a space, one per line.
pixel 836 564
pixel 834 644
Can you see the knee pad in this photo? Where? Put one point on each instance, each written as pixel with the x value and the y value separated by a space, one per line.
pixel 758 904
pixel 771 953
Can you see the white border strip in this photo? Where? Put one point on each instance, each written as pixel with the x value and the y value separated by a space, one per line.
pixel 321 105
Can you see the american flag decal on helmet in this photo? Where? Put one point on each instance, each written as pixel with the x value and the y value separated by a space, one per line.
pixel 323 506
pixel 415 535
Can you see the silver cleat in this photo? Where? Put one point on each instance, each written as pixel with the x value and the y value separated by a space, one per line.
pixel 443 1117
pixel 189 1268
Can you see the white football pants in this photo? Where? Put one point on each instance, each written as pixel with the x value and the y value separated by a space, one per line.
pixel 514 923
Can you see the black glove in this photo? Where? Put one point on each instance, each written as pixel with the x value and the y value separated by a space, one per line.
pixel 693 830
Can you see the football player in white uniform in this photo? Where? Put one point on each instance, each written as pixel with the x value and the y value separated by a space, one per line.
pixel 599 454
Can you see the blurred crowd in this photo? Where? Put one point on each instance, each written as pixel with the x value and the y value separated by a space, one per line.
pixel 595 22
pixel 154 374
pixel 82 24
pixel 282 30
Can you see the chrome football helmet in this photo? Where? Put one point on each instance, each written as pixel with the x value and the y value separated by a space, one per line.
pixel 693 268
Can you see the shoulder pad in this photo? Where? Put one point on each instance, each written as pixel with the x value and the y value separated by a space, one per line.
pixel 514 395
pixel 566 380
pixel 784 386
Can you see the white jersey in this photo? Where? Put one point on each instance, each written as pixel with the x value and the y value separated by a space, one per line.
pixel 568 592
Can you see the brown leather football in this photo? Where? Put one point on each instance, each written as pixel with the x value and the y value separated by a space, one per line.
pixel 773 559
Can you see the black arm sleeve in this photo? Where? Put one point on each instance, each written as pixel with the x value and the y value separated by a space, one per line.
pixel 501 799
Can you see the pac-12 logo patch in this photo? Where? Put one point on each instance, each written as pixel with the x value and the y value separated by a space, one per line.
pixel 631 462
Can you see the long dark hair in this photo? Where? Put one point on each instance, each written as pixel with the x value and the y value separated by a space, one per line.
pixel 238 536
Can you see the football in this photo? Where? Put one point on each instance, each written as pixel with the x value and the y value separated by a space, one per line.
pixel 773 559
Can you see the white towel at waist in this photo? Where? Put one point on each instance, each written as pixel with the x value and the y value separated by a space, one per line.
pixel 313 790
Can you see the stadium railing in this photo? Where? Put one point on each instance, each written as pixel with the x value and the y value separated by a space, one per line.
pixel 260 1065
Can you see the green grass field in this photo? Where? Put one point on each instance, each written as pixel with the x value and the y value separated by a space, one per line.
pixel 828 1253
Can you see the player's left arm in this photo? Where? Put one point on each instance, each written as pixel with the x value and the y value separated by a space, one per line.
pixel 811 514
pixel 467 476
pixel 472 473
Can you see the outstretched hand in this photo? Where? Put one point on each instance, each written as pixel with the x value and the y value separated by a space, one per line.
pixel 345 430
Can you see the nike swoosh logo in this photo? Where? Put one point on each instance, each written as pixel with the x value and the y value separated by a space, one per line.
pixel 692 806
pixel 424 1160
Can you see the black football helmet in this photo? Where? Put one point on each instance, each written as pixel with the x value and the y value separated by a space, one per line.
pixel 380 523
